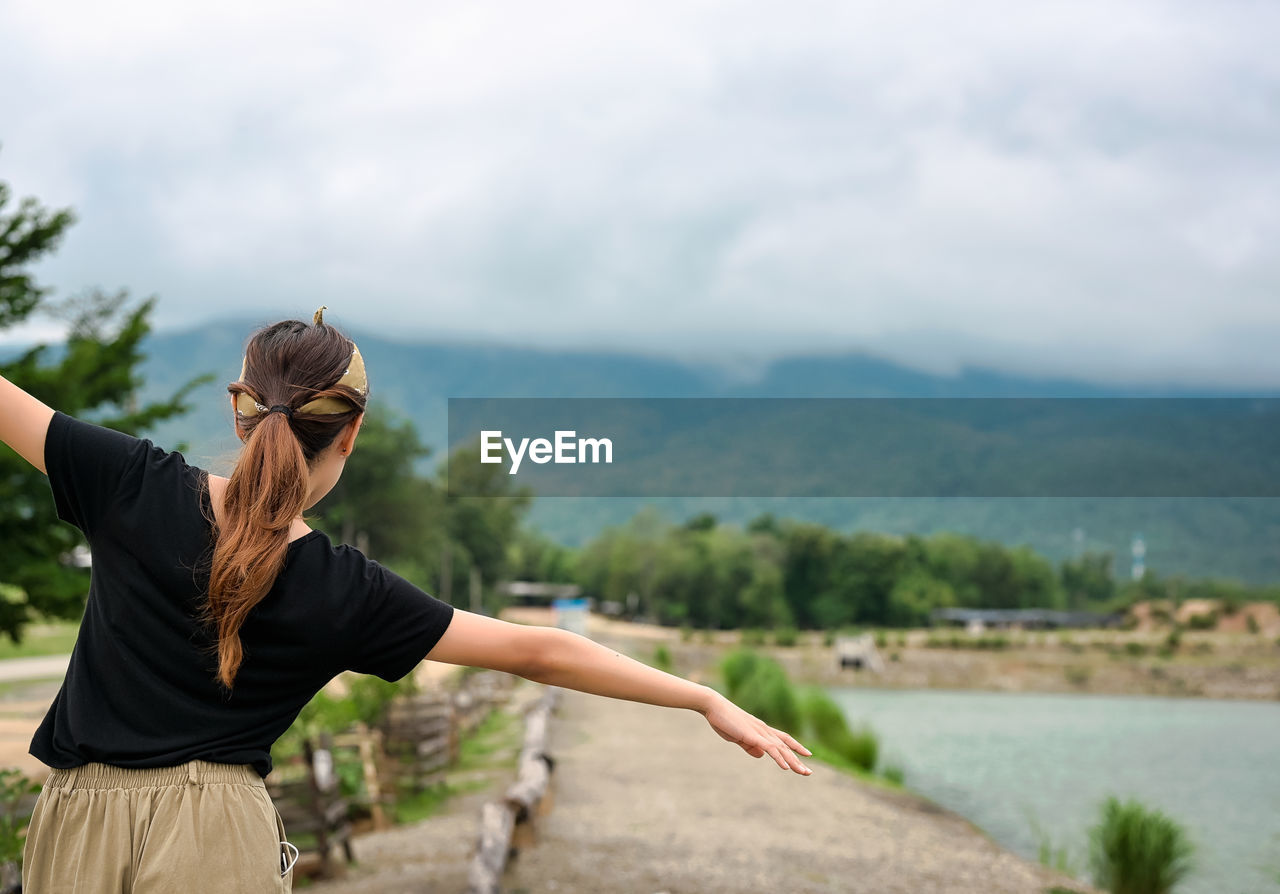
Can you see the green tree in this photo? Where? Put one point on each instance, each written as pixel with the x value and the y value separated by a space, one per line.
pixel 483 510
pixel 534 556
pixel 1088 579
pixel 94 375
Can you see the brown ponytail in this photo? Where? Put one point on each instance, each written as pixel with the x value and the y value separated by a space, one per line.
pixel 286 365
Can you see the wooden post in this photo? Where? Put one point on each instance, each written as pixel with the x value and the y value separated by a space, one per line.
pixel 498 819
pixel 369 764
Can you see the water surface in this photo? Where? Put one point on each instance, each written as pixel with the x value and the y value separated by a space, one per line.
pixel 1010 761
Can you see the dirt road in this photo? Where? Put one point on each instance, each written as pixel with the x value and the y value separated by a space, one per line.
pixel 649 800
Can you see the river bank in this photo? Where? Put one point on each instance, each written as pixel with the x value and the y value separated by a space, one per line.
pixel 648 799
pixel 1207 664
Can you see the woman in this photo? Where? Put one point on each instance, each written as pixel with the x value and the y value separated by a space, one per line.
pixel 215 614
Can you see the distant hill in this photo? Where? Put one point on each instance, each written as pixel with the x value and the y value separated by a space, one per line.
pixel 1229 538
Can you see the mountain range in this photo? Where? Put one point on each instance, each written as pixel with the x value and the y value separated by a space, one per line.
pixel 1238 538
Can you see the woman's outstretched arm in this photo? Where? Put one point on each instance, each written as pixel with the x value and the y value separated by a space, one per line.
pixel 562 658
pixel 24 421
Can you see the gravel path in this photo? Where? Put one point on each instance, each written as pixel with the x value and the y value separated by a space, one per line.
pixel 646 800
pixel 650 800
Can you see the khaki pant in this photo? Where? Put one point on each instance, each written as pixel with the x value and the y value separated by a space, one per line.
pixel 198 827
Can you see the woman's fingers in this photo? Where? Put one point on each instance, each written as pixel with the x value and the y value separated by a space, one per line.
pixel 785 759
pixel 791 743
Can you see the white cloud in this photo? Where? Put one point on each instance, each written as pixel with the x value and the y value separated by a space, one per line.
pixel 1074 188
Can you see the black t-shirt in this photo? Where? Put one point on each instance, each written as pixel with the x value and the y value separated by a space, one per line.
pixel 141 689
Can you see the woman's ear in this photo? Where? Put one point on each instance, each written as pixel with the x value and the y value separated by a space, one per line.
pixel 347 441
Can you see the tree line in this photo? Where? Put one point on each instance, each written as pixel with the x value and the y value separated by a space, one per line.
pixel 775 573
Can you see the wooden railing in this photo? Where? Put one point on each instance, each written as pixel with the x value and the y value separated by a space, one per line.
pixel 408 752
pixel 499 819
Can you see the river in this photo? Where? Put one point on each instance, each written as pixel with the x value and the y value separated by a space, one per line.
pixel 1009 762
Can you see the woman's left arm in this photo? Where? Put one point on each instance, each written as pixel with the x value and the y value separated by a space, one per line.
pixel 573 661
pixel 24 422
pixel 562 658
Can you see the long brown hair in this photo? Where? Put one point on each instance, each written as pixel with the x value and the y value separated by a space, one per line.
pixel 289 364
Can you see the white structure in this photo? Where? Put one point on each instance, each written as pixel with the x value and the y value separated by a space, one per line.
pixel 859 653
pixel 571 614
pixel 1139 551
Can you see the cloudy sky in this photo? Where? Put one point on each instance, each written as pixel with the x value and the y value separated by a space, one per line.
pixel 1081 188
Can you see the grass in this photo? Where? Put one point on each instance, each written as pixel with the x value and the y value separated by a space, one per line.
pixel 49 638
pixel 427 803
pixel 1138 850
pixel 500 731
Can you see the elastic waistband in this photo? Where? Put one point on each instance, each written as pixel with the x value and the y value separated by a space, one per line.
pixel 106 776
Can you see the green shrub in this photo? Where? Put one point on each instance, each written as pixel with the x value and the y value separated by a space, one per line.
pixel 1136 650
pixel 14 788
pixel 662 658
pixel 1136 850
pixel 370 697
pixel 828 638
pixel 736 667
pixel 1055 856
pixel 861 747
pixel 1205 621
pixel 1252 623
pixel 768 694
pixel 785 636
pixel 751 636
pixel 1174 639
pixel 824 719
pixel 894 775
pixel 1077 675
pixel 686 633
pixel 882 640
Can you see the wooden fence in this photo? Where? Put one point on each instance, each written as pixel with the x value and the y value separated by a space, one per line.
pixel 408 752
pixel 499 819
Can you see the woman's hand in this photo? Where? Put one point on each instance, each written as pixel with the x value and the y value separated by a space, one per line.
pixel 755 736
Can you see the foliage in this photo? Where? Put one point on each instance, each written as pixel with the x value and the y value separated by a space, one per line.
pixel 662 658
pixel 736 667
pixel 760 686
pixel 824 719
pixel 15 787
pixel 827 722
pixel 533 556
pixel 93 375
pixel 781 573
pixel 379 503
pixel 786 637
pixel 366 701
pixel 482 525
pixel 1203 621
pixel 410 522
pixel 1138 850
pixel 894 775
